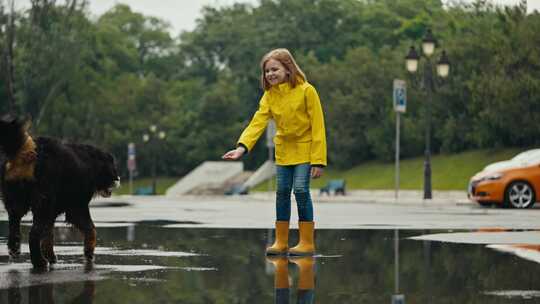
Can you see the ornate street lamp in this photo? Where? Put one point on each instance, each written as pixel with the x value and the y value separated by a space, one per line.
pixel 428 44
pixel 412 60
pixel 443 66
pixel 154 134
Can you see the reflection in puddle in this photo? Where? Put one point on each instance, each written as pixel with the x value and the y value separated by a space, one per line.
pixel 45 294
pixel 305 286
pixel 528 252
pixel 22 274
pixel 15 278
pixel 148 263
pixel 523 244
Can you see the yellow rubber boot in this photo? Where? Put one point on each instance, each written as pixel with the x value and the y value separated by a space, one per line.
pixel 306 245
pixel 281 244
pixel 306 272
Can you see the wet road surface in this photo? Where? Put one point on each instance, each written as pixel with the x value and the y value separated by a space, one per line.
pixel 157 262
pixel 254 212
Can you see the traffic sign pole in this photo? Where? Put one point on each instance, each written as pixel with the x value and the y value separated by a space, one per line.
pixel 131 164
pixel 400 106
pixel 397 156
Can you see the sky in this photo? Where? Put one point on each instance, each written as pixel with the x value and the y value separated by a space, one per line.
pixel 182 14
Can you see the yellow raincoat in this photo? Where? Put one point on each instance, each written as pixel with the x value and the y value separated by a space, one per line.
pixel 300 136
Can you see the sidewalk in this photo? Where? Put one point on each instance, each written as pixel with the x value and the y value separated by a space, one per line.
pixel 358 210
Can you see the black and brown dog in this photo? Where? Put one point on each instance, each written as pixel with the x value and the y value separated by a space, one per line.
pixel 50 177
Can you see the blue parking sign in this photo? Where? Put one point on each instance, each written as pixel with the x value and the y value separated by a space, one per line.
pixel 398 299
pixel 400 96
pixel 131 162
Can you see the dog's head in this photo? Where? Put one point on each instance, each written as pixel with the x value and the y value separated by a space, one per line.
pixel 107 177
pixel 13 132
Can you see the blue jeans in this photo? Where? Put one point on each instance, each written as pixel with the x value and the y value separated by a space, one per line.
pixel 294 178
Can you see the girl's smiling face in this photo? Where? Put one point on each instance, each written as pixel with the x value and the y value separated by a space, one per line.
pixel 275 72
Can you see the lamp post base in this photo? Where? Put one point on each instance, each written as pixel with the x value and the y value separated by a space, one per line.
pixel 427 179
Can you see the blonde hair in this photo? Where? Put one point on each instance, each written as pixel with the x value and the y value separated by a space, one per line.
pixel 284 57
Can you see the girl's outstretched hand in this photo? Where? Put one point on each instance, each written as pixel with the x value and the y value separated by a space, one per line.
pixel 234 154
pixel 316 172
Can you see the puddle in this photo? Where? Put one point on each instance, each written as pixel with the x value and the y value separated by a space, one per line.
pixel 151 262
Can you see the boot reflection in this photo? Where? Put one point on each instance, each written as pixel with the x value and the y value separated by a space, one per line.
pixel 306 278
pixel 281 278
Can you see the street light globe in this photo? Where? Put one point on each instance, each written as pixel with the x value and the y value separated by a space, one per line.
pixel 428 44
pixel 411 60
pixel 161 134
pixel 146 137
pixel 412 65
pixel 443 70
pixel 428 48
pixel 443 66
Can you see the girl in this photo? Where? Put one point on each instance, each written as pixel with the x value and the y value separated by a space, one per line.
pixel 300 143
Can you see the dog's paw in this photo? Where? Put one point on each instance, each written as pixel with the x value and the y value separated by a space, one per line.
pixel 89 257
pixel 52 259
pixel 49 255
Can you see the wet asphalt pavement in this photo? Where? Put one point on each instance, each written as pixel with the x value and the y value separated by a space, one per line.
pixel 178 259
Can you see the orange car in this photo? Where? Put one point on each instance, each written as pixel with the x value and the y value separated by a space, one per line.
pixel 512 183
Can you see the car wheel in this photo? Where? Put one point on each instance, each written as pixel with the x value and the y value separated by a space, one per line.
pixel 520 194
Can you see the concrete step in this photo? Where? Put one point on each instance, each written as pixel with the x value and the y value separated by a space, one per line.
pixel 211 175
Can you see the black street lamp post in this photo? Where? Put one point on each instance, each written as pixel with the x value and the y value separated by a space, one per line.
pixel 443 68
pixel 153 136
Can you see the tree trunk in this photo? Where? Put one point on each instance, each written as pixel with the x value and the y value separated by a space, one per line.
pixel 8 56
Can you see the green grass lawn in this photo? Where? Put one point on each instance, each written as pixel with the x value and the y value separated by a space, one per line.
pixel 449 172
